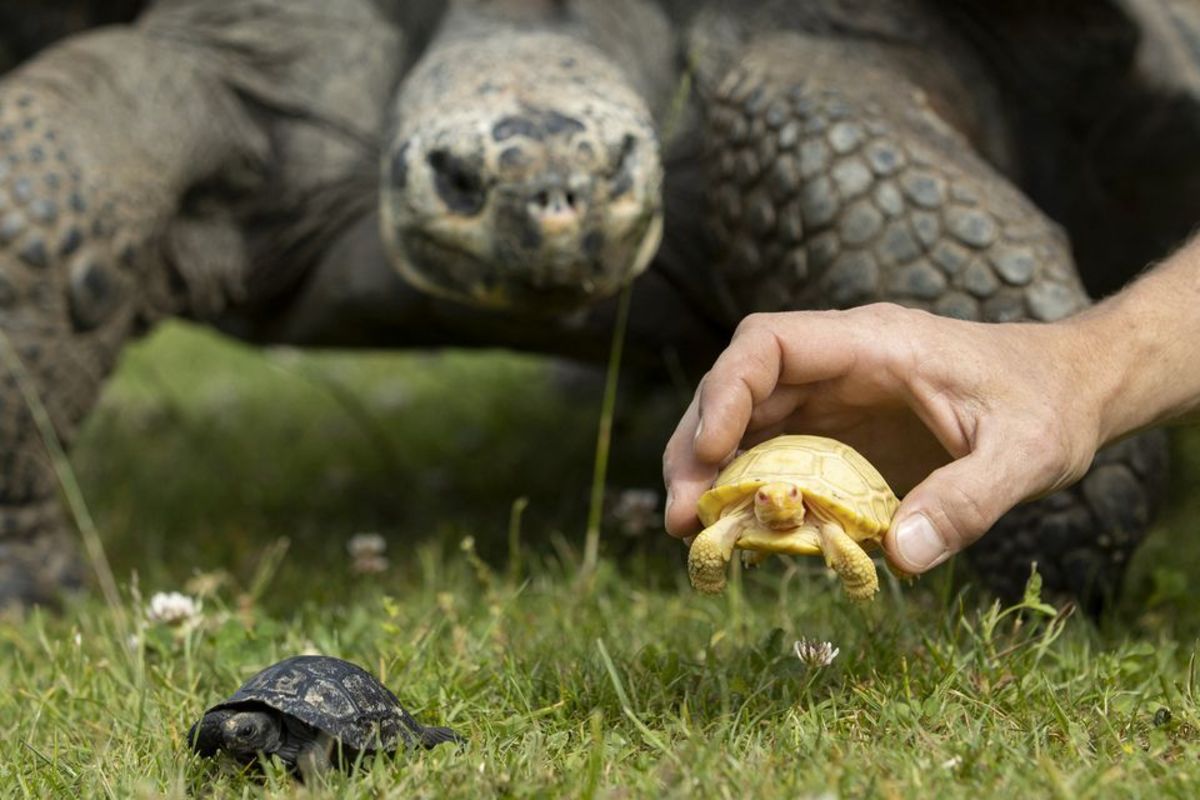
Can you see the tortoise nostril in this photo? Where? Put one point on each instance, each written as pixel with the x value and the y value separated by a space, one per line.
pixel 457 182
pixel 555 202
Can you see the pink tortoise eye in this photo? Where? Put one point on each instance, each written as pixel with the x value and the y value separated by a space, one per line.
pixel 762 497
pixel 795 492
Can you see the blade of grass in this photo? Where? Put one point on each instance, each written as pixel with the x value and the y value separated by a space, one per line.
pixel 591 551
pixel 627 709
pixel 514 538
pixel 69 485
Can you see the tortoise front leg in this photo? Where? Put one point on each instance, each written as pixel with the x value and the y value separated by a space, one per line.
pixel 713 547
pixel 99 138
pixel 852 564
pixel 838 183
pixel 840 177
pixel 316 757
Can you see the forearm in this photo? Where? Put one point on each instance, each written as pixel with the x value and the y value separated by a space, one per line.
pixel 1145 344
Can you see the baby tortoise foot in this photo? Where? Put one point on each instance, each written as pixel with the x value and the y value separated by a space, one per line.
pixel 852 564
pixel 710 553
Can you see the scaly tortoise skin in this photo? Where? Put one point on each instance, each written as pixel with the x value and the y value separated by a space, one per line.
pixel 801 495
pixel 348 173
pixel 311 712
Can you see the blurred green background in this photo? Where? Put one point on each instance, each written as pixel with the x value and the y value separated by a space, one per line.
pixel 203 452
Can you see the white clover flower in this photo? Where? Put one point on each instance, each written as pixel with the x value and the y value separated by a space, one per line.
pixel 172 608
pixel 367 551
pixel 815 654
pixel 366 545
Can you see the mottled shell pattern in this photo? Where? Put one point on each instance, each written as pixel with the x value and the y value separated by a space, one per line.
pixel 835 478
pixel 334 696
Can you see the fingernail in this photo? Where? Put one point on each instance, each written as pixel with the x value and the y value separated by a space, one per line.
pixel 699 430
pixel 667 508
pixel 919 543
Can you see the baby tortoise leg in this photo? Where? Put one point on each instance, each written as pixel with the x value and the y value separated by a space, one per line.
pixel 852 564
pixel 837 182
pixel 753 558
pixel 711 550
pixel 316 757
pixel 87 183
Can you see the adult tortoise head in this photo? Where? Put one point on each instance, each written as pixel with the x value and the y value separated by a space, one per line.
pixel 521 169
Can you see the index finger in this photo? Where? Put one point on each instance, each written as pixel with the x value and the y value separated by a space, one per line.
pixel 686 478
pixel 767 349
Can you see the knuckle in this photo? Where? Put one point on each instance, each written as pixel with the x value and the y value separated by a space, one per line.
pixel 752 323
pixel 1051 449
pixel 971 519
pixel 709 384
pixel 889 314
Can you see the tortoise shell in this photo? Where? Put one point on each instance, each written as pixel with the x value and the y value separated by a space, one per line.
pixel 334 696
pixel 834 477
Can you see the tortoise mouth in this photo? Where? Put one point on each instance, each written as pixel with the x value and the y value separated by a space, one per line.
pixel 552 281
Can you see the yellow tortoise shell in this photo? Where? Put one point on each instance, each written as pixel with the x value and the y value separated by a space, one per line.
pixel 832 475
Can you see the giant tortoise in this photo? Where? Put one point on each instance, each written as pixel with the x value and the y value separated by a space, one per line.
pixel 388 173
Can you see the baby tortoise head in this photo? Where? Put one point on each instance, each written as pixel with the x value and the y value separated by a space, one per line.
pixel 521 172
pixel 244 734
pixel 779 506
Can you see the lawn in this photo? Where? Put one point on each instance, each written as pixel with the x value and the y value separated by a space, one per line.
pixel 238 476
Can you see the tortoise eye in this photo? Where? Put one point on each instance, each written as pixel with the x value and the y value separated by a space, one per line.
pixel 761 497
pixel 246 729
pixel 794 493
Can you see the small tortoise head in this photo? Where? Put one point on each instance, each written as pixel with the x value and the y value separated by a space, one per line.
pixel 779 506
pixel 521 172
pixel 242 734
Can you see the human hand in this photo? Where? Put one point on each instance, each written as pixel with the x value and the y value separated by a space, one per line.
pixel 977 417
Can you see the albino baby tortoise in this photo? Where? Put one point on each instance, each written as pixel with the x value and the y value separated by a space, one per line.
pixel 801 495
pixel 312 712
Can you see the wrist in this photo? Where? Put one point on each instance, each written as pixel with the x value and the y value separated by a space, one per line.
pixel 1087 378
pixel 1107 351
pixel 1136 349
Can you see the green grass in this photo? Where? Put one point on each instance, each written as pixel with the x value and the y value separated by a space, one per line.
pixel 238 476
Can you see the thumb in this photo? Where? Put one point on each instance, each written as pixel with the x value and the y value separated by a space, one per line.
pixel 952 508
